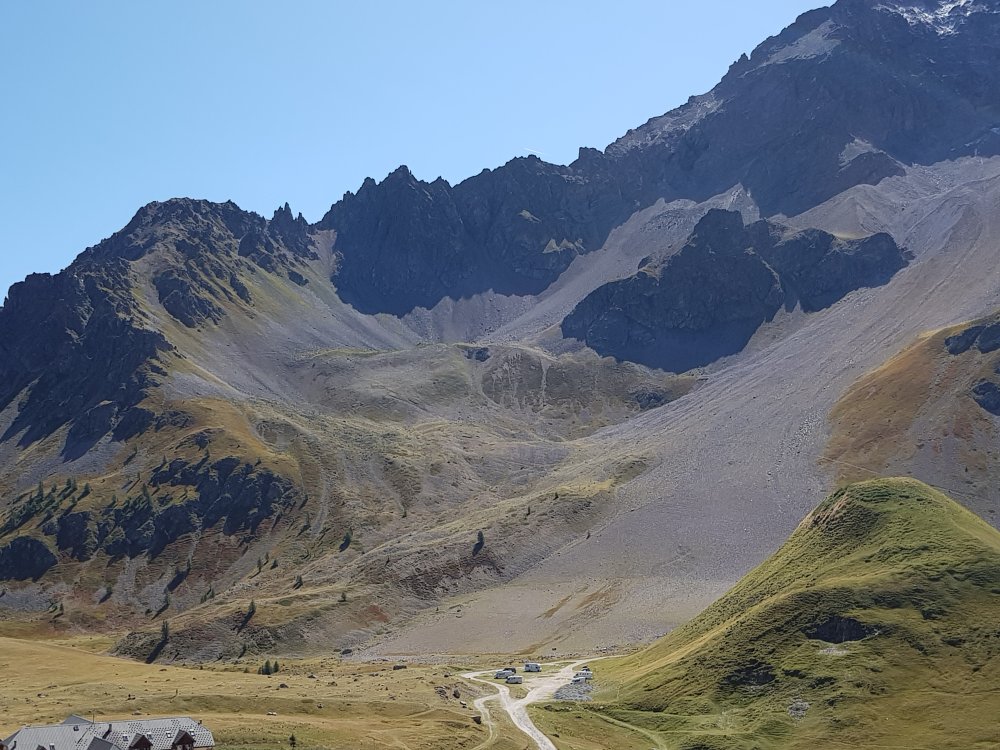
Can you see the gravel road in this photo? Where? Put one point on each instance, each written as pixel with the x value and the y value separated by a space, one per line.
pixel 542 687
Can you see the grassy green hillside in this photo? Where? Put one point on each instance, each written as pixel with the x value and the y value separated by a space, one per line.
pixel 877 624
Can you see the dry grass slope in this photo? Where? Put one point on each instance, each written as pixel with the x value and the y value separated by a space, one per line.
pixel 915 416
pixel 324 703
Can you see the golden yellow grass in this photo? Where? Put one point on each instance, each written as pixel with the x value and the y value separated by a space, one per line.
pixel 875 423
pixel 344 705
pixel 871 422
pixel 575 727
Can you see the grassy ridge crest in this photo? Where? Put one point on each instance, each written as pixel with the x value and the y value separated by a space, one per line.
pixel 874 624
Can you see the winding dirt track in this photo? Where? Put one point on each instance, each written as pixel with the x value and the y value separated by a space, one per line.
pixel 543 687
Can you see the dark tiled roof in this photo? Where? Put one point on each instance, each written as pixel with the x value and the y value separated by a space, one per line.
pixel 118 734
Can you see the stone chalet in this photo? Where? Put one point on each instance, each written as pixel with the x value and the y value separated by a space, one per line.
pixel 77 733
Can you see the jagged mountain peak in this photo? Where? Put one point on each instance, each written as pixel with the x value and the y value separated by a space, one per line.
pixel 174 219
pixel 846 95
pixel 401 173
pixel 944 17
pixel 195 227
pixel 185 208
pixel 284 214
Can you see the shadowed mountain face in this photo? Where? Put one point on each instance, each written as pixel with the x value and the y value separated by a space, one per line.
pixel 792 123
pixel 204 406
pixel 404 243
pixel 74 348
pixel 79 347
pixel 707 300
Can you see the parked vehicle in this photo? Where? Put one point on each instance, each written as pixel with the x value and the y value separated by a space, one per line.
pixel 515 679
pixel 502 674
pixel 532 666
pixel 583 675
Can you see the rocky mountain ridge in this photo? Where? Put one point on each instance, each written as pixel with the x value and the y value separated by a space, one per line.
pixel 927 96
pixel 55 328
pixel 211 409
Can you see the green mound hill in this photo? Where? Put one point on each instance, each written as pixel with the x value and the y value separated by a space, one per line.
pixel 877 624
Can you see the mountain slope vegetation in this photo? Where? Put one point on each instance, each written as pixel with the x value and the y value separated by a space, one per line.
pixel 930 411
pixel 873 625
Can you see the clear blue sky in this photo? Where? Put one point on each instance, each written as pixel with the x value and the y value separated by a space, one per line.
pixel 109 105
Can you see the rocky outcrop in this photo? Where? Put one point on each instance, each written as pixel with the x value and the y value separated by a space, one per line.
pixel 180 296
pixel 25 558
pixel 702 303
pixel 982 337
pixel 292 232
pixel 75 535
pixel 987 395
pixel 963 341
pixel 404 243
pixel 707 300
pixel 182 497
pixel 818 269
pixel 840 629
pixel 54 330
